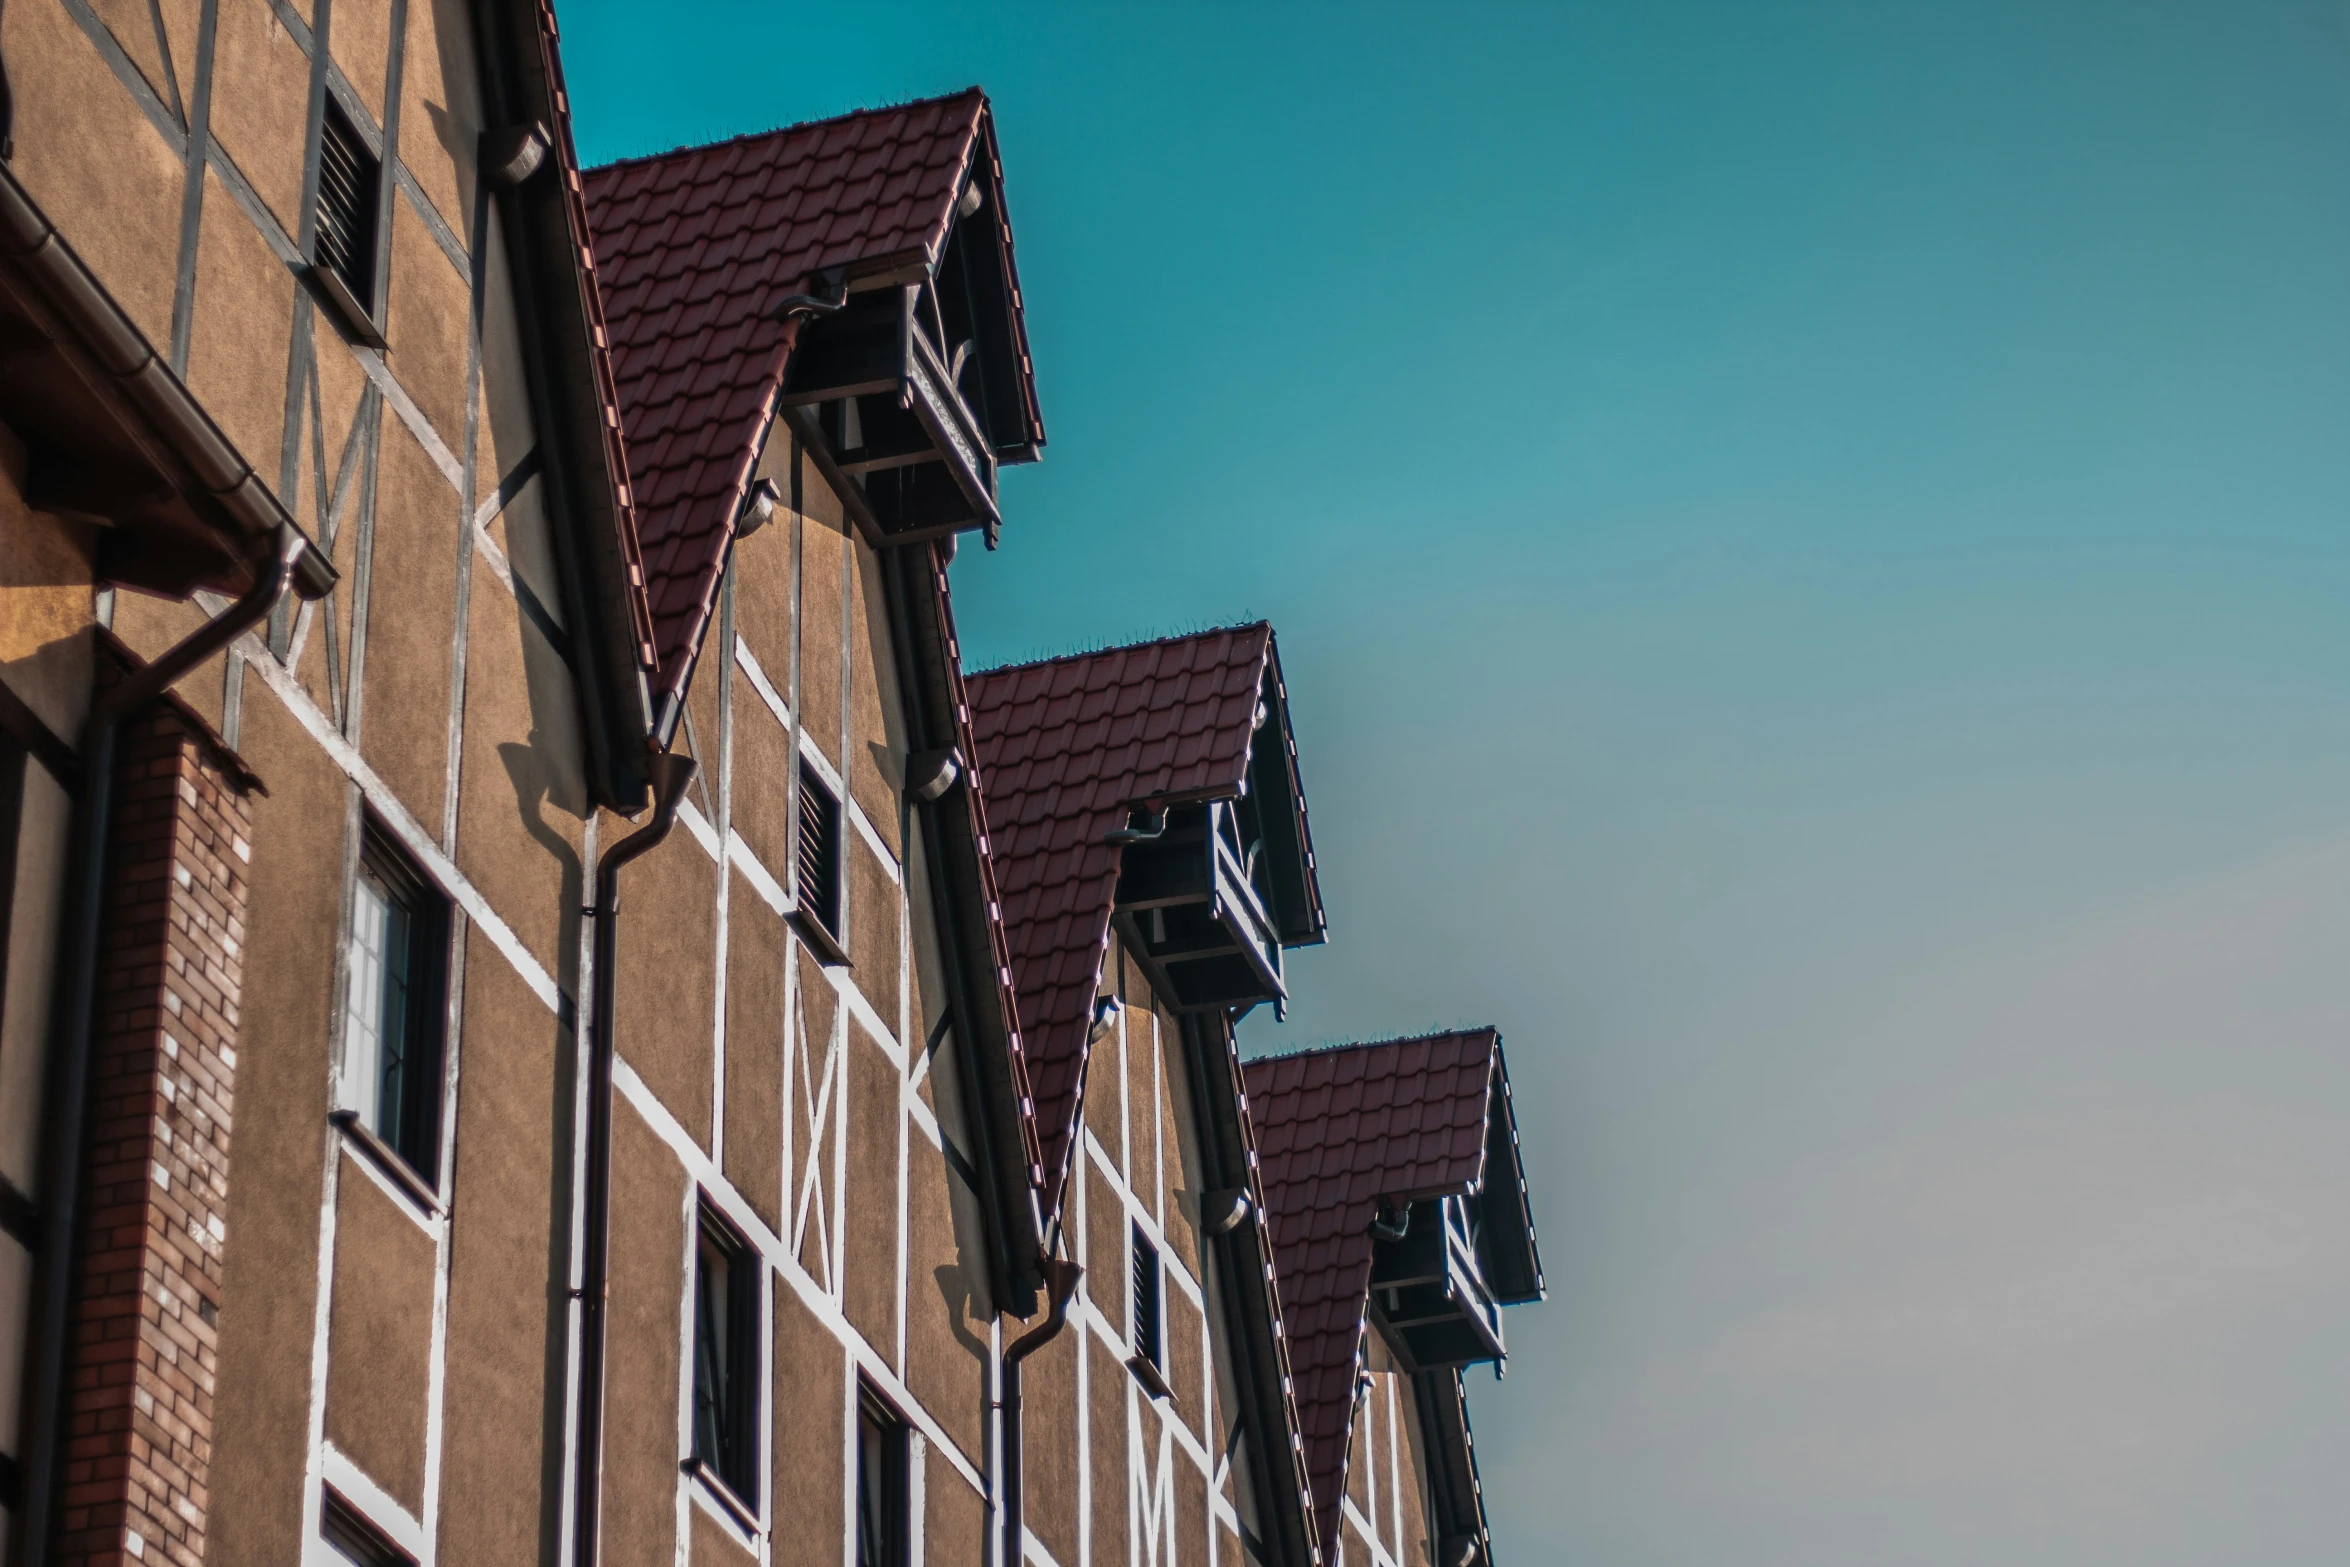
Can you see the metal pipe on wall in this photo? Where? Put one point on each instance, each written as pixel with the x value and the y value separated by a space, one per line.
pixel 49 1346
pixel 1061 1276
pixel 670 775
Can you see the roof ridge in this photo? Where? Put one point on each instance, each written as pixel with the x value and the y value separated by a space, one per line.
pixel 1373 1044
pixel 1121 647
pixel 692 148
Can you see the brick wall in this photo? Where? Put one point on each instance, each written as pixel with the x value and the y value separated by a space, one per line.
pixel 138 1458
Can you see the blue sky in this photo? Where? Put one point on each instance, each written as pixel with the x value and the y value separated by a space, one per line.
pixel 1812 551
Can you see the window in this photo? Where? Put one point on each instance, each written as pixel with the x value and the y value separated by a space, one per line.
pixel 350 180
pixel 726 1359
pixel 391 1073
pixel 1147 1337
pixel 819 867
pixel 355 1539
pixel 882 1527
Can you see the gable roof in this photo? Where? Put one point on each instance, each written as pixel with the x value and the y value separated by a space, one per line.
pixel 1338 1132
pixel 1065 748
pixel 695 250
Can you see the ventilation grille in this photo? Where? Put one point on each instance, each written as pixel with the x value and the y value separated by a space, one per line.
pixel 348 177
pixel 819 852
pixel 1146 1298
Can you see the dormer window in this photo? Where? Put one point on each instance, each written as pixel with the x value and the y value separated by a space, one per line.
pixel 921 387
pixel 1211 893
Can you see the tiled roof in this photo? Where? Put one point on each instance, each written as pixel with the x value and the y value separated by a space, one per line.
pixel 1065 748
pixel 1338 1132
pixel 694 250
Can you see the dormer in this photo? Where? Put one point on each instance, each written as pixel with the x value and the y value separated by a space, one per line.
pixel 1211 892
pixel 846 285
pixel 918 386
pixel 1151 790
pixel 1443 1267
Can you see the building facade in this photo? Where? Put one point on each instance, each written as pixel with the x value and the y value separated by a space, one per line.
pixel 547 1016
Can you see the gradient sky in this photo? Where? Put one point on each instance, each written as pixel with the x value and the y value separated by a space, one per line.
pixel 1811 546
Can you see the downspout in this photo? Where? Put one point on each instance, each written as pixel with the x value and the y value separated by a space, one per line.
pixel 1061 1276
pixel 50 1345
pixel 670 774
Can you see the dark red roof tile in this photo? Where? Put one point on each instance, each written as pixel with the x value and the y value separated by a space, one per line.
pixel 693 249
pixel 1064 749
pixel 1338 1132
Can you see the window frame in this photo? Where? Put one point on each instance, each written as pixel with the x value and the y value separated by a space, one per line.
pixel 819 909
pixel 738 1430
pixel 409 1149
pixel 352 293
pixel 1146 1312
pixel 893 1441
pixel 348 1532
pixel 1146 1315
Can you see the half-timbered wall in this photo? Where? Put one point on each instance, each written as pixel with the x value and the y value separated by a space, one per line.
pixel 809 1102
pixel 176 145
pixel 414 1352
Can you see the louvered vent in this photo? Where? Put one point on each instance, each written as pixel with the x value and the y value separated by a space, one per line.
pixel 819 852
pixel 348 178
pixel 1146 1298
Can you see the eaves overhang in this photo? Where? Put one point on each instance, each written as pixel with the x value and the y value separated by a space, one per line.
pixel 113 437
pixel 567 366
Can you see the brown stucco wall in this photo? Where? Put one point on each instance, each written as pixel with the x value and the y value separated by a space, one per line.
pixel 427 320
pixel 869 1296
pixel 641 1411
pixel 379 1336
pixel 440 110
pixel 954 1517
pixel 876 765
pixel 519 791
pixel 668 973
pixel 1185 1368
pixel 242 324
pixel 875 945
pixel 44 607
pixel 946 1325
pixel 1142 1112
pixel 818 1009
pixel 810 1403
pixel 94 163
pixel 360 39
pixel 1191 1510
pixel 763 579
pixel 501 1445
pixel 710 1542
pixel 821 547
pixel 270 1271
pixel 1048 1424
pixel 261 123
pixel 411 626
pixel 1106 1259
pixel 1419 1548
pixel 1108 1383
pixel 755 974
pixel 762 804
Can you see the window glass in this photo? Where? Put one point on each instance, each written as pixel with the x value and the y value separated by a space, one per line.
pixel 881 1485
pixel 390 1079
pixel 726 1359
